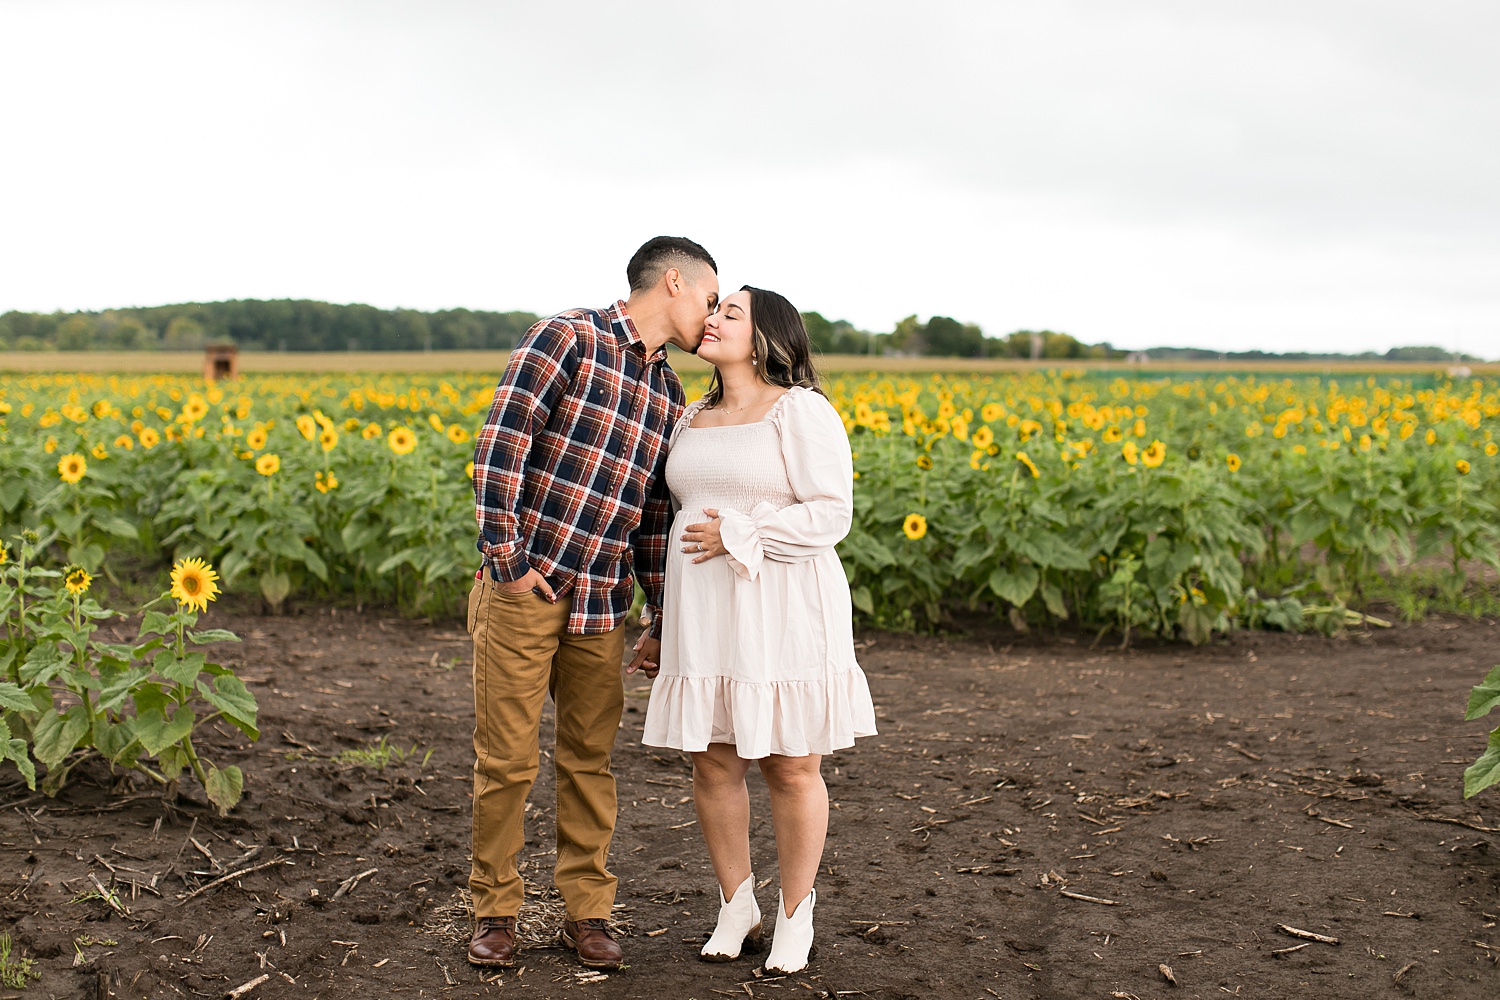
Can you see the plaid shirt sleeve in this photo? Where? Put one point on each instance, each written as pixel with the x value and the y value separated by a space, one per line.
pixel 535 377
pixel 651 546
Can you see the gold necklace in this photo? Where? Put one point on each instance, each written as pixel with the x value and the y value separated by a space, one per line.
pixel 737 409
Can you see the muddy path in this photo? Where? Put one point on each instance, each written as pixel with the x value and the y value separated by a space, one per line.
pixel 1035 820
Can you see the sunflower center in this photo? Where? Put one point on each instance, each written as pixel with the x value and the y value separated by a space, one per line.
pixel 190 584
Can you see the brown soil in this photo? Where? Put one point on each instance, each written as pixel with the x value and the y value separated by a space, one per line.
pixel 1192 800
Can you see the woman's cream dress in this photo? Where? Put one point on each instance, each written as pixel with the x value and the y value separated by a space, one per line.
pixel 758 647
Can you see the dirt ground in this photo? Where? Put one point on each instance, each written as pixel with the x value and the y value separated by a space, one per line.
pixel 1036 820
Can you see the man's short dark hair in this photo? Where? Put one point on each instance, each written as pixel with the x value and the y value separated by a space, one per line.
pixel 656 255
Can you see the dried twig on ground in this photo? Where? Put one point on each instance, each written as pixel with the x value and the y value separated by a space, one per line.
pixel 110 899
pixel 230 878
pixel 347 886
pixel 1298 932
pixel 240 991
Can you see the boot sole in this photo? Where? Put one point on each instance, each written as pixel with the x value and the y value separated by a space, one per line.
pixel 754 944
pixel 492 963
pixel 812 953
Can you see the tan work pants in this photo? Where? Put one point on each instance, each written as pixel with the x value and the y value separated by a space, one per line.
pixel 522 653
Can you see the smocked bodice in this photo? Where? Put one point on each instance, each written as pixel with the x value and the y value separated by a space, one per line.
pixel 737 467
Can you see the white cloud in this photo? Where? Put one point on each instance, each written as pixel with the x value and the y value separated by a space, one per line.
pixel 1278 175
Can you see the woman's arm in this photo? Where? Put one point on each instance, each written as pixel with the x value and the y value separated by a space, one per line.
pixel 820 469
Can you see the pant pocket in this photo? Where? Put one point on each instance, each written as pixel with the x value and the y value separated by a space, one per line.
pixel 476 594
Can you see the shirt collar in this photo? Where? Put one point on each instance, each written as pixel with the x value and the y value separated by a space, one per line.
pixel 624 328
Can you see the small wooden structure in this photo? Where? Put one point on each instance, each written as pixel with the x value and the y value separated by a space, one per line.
pixel 221 361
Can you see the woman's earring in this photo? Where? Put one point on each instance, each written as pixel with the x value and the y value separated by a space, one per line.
pixel 754 361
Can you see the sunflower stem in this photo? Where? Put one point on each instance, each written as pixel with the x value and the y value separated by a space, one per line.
pixel 15 669
pixel 155 776
pixel 196 764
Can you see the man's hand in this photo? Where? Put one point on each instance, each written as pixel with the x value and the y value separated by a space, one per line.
pixel 647 656
pixel 531 580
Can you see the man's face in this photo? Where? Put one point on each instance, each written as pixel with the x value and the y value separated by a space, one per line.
pixel 698 296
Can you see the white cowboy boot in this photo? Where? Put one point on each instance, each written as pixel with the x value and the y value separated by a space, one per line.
pixel 739 926
pixel 793 944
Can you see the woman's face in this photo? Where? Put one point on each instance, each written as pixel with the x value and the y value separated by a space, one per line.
pixel 728 333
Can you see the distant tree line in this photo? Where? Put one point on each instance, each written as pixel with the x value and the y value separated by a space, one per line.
pixel 1421 354
pixel 945 337
pixel 279 325
pixel 304 325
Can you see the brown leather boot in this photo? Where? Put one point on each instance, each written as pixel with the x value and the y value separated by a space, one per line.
pixel 596 947
pixel 494 942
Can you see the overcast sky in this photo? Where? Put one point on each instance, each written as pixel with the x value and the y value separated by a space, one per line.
pixel 1275 174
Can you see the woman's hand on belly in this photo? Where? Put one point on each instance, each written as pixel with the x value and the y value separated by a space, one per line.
pixel 703 539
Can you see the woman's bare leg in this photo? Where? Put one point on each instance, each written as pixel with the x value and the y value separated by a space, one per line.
pixel 799 810
pixel 723 804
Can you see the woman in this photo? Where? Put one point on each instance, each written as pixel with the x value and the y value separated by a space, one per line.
pixel 757 653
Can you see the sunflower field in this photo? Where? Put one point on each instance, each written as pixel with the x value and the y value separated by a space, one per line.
pixel 1166 506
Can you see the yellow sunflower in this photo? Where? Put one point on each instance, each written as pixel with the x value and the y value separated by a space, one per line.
pixel 1492 449
pixel 983 438
pixel 1462 466
pixel 1025 460
pixel 99 451
pixel 436 422
pixel 268 464
pixel 1233 461
pixel 328 438
pixel 924 462
pixel 194 409
pixel 125 441
pixel 990 412
pixel 149 438
pixel 915 526
pixel 1154 455
pixel 4 554
pixel 457 434
pixel 403 440
pixel 1130 452
pixel 72 467
pixel 194 583
pixel 469 470
pixel 77 581
pixel 325 483
pixel 256 439
pixel 307 426
pixel 371 432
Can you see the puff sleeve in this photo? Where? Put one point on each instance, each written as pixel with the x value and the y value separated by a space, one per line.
pixel 819 468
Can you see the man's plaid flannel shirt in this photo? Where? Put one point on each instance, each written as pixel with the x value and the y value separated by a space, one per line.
pixel 569 469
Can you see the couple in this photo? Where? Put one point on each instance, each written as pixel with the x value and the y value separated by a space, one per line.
pixel 589 475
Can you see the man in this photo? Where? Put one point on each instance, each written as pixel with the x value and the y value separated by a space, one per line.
pixel 568 487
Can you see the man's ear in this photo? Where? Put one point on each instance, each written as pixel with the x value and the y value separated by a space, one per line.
pixel 673 281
